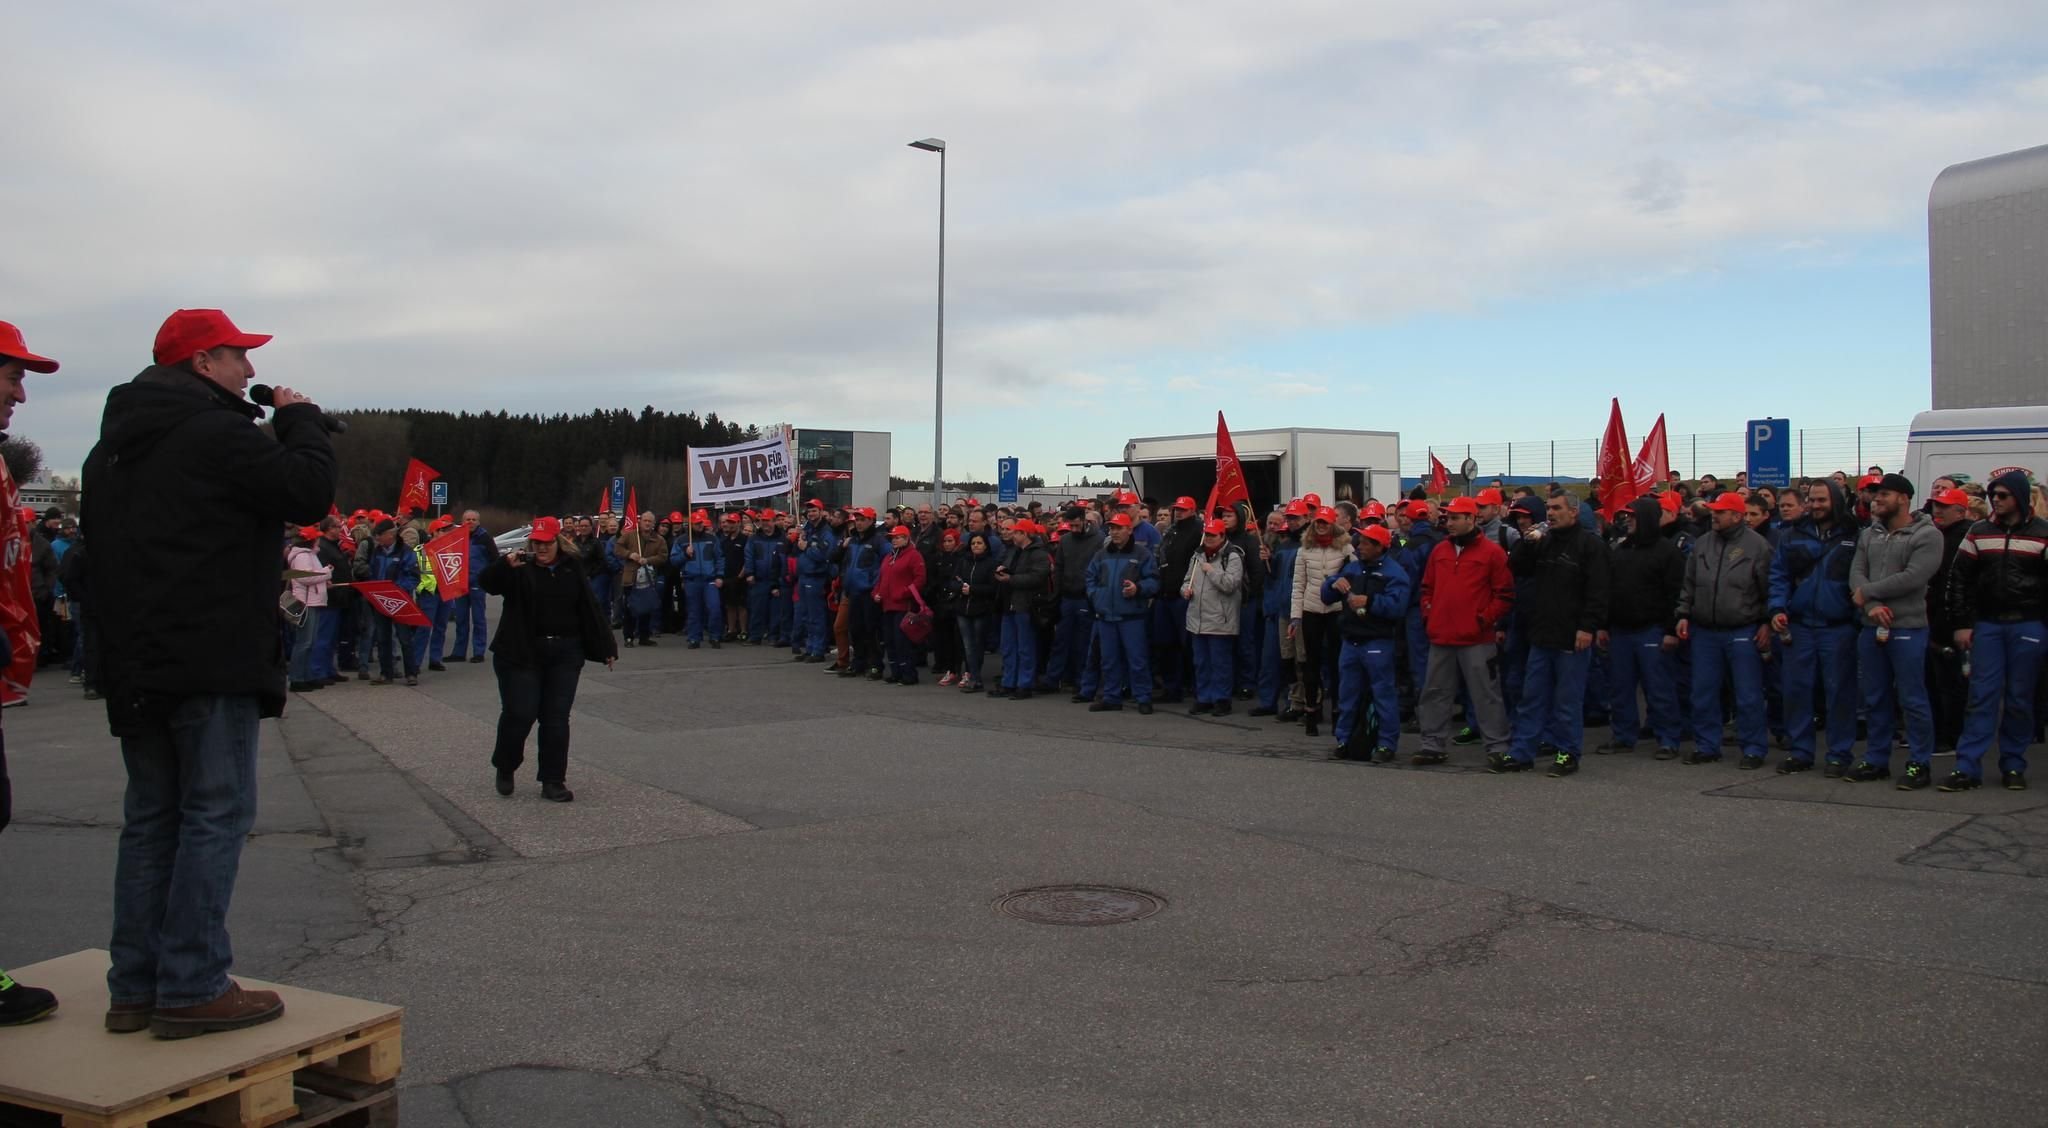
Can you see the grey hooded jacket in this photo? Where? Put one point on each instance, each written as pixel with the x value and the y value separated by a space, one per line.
pixel 1727 580
pixel 1894 569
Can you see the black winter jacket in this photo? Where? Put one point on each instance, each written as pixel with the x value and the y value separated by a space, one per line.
pixel 1071 557
pixel 1562 585
pixel 518 638
pixel 1647 572
pixel 191 607
pixel 1177 546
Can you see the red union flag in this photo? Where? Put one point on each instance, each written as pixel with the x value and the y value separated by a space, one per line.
pixel 632 515
pixel 392 603
pixel 1439 475
pixel 1229 488
pixel 450 554
pixel 1617 473
pixel 413 495
pixel 17 600
pixel 1653 463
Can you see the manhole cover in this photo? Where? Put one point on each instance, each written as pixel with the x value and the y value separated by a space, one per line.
pixel 1080 904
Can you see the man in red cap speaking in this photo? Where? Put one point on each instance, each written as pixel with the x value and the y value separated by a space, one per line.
pixel 188 618
pixel 18 632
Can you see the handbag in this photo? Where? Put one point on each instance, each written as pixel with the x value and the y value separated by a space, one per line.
pixel 917 625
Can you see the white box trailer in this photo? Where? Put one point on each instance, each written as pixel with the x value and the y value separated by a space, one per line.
pixel 1279 464
pixel 1971 444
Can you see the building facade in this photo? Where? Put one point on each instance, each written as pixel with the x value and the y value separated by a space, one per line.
pixel 1987 265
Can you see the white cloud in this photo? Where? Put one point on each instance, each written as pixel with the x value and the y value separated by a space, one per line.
pixel 520 205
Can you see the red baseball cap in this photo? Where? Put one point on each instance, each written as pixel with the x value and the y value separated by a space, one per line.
pixel 188 331
pixel 732 517
pixel 1378 534
pixel 1124 497
pixel 1416 509
pixel 1490 496
pixel 1463 505
pixel 1183 502
pixel 1296 508
pixel 12 345
pixel 309 532
pixel 948 535
pixel 971 503
pixel 441 522
pixel 900 531
pixel 1120 520
pixel 867 511
pixel 1728 503
pixel 675 517
pixel 814 503
pixel 1670 500
pixel 1213 529
pixel 1373 509
pixel 1952 497
pixel 545 529
pixel 1326 513
pixel 1313 501
pixel 1868 480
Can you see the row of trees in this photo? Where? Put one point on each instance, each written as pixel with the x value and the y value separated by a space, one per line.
pixel 519 465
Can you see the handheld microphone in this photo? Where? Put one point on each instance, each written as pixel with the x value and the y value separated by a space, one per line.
pixel 262 396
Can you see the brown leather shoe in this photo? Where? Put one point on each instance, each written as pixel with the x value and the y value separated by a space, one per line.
pixel 234 1010
pixel 127 1018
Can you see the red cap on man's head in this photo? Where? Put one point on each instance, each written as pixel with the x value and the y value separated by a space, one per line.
pixel 1952 497
pixel 867 511
pixel 1184 502
pixel 1490 496
pixel 1729 502
pixel 900 531
pixel 1296 508
pixel 1463 505
pixel 1125 497
pixel 12 345
pixel 950 536
pixel 188 331
pixel 1670 500
pixel 814 503
pixel 1213 529
pixel 1120 520
pixel 1416 510
pixel 441 522
pixel 545 529
pixel 1326 514
pixel 1313 501
pixel 1373 509
pixel 675 517
pixel 1869 481
pixel 1377 534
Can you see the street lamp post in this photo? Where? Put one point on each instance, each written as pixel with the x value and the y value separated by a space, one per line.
pixel 934 145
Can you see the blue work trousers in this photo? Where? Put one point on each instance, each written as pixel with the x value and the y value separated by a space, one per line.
pixel 1070 636
pixel 1213 658
pixel 1126 660
pixel 1552 708
pixel 1636 659
pixel 1894 678
pixel 704 611
pixel 471 616
pixel 1251 624
pixel 1365 673
pixel 1020 649
pixel 814 621
pixel 1727 654
pixel 1829 653
pixel 2004 660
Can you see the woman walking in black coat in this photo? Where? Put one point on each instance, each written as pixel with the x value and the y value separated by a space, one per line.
pixel 550 626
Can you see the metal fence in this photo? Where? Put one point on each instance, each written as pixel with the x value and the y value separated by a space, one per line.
pixel 1816 452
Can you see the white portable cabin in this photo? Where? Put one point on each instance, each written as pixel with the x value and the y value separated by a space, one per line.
pixel 1279 464
pixel 1970 444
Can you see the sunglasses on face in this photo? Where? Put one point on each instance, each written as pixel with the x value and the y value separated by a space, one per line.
pixel 2001 493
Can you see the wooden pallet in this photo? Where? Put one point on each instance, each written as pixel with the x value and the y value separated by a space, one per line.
pixel 329 1060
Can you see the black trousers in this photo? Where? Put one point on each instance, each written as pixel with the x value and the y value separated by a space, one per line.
pixel 1317 664
pixel 864 631
pixel 542 692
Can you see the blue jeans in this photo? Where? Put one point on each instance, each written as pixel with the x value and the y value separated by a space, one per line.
pixel 704 613
pixel 758 613
pixel 1212 666
pixel 902 656
pixel 304 636
pixel 1126 660
pixel 1365 672
pixel 1514 664
pixel 1830 652
pixel 1070 641
pixel 471 616
pixel 2004 660
pixel 1636 657
pixel 387 631
pixel 1251 619
pixel 1020 649
pixel 1727 653
pixel 1894 673
pixel 973 645
pixel 365 626
pixel 426 641
pixel 814 630
pixel 190 803
pixel 1552 709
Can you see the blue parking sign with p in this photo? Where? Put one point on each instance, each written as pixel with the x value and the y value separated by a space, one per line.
pixel 439 492
pixel 1006 480
pixel 1770 452
pixel 618 495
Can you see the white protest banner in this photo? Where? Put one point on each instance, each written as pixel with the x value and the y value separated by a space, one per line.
pixel 762 468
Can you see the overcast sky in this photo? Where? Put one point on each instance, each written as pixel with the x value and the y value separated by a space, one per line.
pixel 1462 221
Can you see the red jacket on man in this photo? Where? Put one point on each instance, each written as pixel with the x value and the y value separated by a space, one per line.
pixel 1465 595
pixel 901 581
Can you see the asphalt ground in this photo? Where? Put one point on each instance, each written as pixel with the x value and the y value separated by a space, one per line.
pixel 774 901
